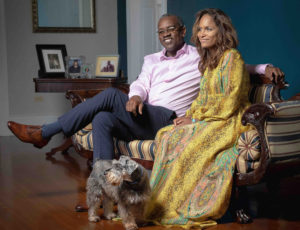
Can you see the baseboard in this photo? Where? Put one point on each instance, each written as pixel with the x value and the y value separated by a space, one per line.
pixel 32 120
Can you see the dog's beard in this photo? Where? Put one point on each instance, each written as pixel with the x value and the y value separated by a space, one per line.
pixel 114 178
pixel 123 169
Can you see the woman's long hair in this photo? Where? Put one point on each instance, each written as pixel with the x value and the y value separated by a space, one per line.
pixel 226 38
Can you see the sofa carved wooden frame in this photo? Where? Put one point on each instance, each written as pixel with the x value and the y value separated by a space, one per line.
pixel 256 115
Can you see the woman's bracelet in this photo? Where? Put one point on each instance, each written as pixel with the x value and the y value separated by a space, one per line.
pixel 193 120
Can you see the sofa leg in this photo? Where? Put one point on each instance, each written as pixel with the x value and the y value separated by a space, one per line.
pixel 273 186
pixel 81 208
pixel 89 163
pixel 64 147
pixel 239 205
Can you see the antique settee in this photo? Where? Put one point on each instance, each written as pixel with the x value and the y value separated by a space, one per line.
pixel 271 150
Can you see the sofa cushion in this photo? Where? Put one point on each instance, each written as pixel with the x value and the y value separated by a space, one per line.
pixel 261 93
pixel 141 149
pixel 248 145
pixel 283 131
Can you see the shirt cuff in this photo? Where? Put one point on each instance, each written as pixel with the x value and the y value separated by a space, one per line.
pixel 136 93
pixel 261 69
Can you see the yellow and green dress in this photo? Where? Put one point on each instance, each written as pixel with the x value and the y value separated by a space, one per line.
pixel 192 175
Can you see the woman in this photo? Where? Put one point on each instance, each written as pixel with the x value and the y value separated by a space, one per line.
pixel 195 160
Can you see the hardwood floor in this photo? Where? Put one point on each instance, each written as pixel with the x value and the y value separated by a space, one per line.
pixel 40 193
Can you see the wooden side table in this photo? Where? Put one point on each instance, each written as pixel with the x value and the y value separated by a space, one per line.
pixel 66 85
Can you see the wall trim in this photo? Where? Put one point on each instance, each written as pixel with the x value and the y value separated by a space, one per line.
pixel 4 102
pixel 136 33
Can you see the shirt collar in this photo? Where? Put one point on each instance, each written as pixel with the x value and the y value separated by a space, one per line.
pixel 183 50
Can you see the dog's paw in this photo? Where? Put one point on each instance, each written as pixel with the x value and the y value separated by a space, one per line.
pixel 110 216
pixel 94 218
pixel 131 226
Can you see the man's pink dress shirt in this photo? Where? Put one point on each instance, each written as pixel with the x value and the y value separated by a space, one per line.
pixel 172 82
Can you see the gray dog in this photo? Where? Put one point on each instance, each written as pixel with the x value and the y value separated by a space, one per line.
pixel 122 181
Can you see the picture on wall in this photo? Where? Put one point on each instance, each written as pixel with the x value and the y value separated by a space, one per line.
pixel 51 60
pixel 107 66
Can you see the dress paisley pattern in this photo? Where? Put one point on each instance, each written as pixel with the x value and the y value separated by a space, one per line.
pixel 192 175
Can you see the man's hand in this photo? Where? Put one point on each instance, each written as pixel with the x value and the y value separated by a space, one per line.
pixel 182 121
pixel 274 73
pixel 135 103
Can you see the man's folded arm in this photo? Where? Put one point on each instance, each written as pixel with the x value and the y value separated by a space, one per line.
pixel 270 71
pixel 141 86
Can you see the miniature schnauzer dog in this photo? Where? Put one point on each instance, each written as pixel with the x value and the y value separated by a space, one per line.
pixel 122 181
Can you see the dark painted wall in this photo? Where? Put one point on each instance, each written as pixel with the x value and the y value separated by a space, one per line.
pixel 122 36
pixel 268 30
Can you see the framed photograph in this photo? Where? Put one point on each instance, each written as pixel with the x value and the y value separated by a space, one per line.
pixel 87 70
pixel 51 60
pixel 107 66
pixel 74 66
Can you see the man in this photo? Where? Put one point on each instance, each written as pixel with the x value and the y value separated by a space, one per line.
pixel 75 68
pixel 108 68
pixel 166 87
pixel 53 61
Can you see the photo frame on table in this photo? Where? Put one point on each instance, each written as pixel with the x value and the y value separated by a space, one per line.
pixel 87 70
pixel 107 66
pixel 74 65
pixel 51 60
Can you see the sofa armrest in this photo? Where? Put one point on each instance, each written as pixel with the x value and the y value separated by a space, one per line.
pixel 282 130
pixel 264 90
pixel 262 79
pixel 256 115
pixel 278 126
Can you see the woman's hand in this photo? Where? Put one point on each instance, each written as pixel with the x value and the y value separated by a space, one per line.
pixel 182 121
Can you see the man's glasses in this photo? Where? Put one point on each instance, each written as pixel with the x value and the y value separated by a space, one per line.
pixel 170 29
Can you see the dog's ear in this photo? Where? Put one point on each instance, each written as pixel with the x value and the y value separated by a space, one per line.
pixel 114 161
pixel 136 174
pixel 131 166
pixel 123 160
pixel 123 157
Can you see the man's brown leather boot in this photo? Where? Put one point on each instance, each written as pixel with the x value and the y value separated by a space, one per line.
pixel 28 133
